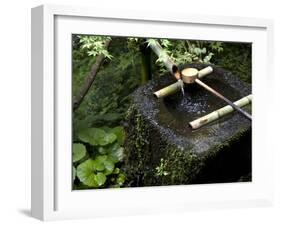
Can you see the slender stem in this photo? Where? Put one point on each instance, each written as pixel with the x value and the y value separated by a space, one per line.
pixel 77 100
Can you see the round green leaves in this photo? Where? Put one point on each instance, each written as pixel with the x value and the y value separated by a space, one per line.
pixel 78 152
pixel 120 134
pixel 96 136
pixel 97 156
pixel 93 172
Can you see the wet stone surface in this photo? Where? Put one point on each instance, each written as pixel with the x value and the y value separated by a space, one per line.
pixel 160 127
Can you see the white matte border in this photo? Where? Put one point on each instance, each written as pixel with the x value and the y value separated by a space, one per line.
pixel 58 200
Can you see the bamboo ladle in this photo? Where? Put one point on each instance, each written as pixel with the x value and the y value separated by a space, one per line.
pixel 192 75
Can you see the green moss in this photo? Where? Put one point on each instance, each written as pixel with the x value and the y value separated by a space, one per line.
pixel 181 166
pixel 169 165
pixel 136 145
pixel 151 160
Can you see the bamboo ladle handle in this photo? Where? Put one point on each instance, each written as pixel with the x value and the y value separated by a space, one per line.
pixel 214 92
pixel 192 75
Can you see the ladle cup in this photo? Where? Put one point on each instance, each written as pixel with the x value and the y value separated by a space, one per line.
pixel 189 75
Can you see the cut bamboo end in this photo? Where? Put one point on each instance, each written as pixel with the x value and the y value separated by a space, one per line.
pixel 205 71
pixel 220 113
pixel 171 89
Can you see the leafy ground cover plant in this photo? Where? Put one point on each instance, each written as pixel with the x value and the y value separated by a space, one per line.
pixel 97 156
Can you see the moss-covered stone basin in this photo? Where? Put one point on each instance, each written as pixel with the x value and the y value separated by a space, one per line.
pixel 161 149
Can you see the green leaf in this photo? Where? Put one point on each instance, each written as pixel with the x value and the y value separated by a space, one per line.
pixel 102 150
pixel 104 163
pixel 100 178
pixel 204 50
pixel 197 51
pixel 151 42
pixel 73 173
pixel 108 117
pixel 117 155
pixel 109 166
pixel 78 152
pixel 85 135
pixel 120 179
pixel 120 134
pixel 116 171
pixel 105 128
pixel 98 164
pixel 86 174
pixel 96 136
pixel 165 43
pixel 107 139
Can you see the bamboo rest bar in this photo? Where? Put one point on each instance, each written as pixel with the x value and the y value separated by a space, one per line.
pixel 220 112
pixel 173 88
pixel 191 75
pixel 237 108
pixel 188 76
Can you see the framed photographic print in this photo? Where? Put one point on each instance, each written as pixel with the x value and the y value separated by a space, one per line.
pixel 136 112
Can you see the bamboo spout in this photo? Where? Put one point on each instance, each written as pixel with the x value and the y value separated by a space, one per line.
pixel 168 62
pixel 220 112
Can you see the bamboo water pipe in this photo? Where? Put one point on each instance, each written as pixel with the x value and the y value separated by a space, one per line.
pixel 168 62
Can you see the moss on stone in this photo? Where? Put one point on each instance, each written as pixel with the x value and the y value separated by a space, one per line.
pixel 142 158
pixel 157 155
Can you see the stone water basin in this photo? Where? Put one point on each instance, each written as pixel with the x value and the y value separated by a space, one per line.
pixel 161 149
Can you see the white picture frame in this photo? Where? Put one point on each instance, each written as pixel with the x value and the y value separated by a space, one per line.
pixel 52 195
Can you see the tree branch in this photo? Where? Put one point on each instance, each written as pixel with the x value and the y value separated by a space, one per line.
pixel 77 100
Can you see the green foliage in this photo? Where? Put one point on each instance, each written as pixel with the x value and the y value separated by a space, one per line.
pixel 94 45
pixel 185 51
pixel 73 173
pixel 96 136
pixel 88 173
pixel 120 135
pixel 237 58
pixel 85 50
pixel 109 97
pixel 105 156
pixel 161 169
pixel 78 152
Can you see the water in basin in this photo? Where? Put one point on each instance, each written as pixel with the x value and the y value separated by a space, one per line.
pixel 176 111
